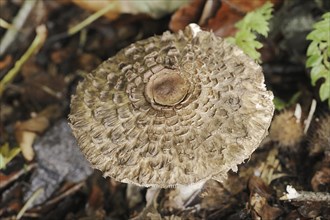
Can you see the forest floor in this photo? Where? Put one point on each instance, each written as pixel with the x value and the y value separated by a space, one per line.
pixel 43 177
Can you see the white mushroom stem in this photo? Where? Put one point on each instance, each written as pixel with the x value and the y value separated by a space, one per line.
pixel 310 116
pixel 187 193
pixel 181 197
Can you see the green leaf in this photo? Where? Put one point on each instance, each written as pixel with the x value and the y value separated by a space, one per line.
pixel 318 54
pixel 325 90
pixel 249 48
pixel 323 46
pixel 326 15
pixel 313 49
pixel 279 103
pixel 321 25
pixel 321 31
pixel 6 154
pixel 255 22
pixel 317 73
pixel 318 35
pixel 314 60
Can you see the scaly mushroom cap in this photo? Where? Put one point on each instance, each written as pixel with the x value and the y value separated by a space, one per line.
pixel 172 109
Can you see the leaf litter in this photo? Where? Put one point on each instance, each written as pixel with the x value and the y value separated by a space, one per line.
pixel 71 190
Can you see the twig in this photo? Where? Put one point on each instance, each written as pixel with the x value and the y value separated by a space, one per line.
pixel 17 175
pixel 6 25
pixel 29 202
pixel 34 47
pixel 305 196
pixel 18 22
pixel 91 19
pixel 58 198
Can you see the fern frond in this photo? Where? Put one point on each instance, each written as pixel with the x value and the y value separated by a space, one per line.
pixel 255 22
pixel 318 54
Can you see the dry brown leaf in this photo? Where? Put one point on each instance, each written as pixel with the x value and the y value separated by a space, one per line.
pixel 321 180
pixel 260 193
pixel 26 132
pixel 36 125
pixel 223 23
pixel 186 14
pixel 216 197
pixel 25 142
pixel 231 11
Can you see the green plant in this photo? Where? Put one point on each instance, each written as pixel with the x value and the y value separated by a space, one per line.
pixel 7 154
pixel 255 22
pixel 280 104
pixel 318 54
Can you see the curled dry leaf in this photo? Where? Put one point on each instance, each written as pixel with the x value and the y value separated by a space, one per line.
pixel 187 14
pixel 321 180
pixel 215 196
pixel 172 109
pixel 260 193
pixel 27 131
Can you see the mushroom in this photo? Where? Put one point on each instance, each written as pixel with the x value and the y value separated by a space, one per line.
pixel 171 110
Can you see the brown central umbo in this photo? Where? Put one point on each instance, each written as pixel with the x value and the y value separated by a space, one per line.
pixel 166 88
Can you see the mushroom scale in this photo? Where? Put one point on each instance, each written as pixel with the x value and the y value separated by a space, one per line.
pixel 173 109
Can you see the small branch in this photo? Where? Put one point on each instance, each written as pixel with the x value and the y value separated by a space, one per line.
pixel 91 19
pixel 34 47
pixel 27 205
pixel 18 22
pixel 305 196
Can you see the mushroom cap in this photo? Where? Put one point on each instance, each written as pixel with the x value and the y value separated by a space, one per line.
pixel 172 109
